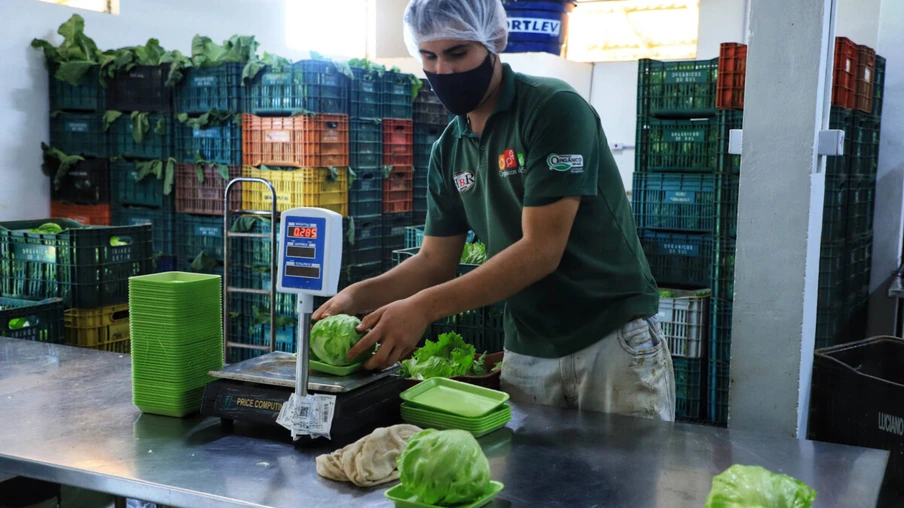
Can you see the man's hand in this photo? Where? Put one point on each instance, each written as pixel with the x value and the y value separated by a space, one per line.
pixel 342 303
pixel 398 327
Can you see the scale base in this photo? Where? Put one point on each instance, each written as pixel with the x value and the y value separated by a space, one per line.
pixel 357 412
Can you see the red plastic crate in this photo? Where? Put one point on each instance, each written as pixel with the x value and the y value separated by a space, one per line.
pixel 205 197
pixel 300 141
pixel 398 142
pixel 398 190
pixel 731 76
pixel 89 215
pixel 866 71
pixel 844 83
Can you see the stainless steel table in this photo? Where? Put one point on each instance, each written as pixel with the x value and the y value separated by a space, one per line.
pixel 66 416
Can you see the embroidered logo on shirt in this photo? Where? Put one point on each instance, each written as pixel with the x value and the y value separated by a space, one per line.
pixel 464 181
pixel 511 163
pixel 563 163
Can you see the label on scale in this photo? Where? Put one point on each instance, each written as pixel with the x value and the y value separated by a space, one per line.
pixel 311 415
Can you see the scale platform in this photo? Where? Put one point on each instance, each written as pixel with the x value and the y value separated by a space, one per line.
pixel 254 391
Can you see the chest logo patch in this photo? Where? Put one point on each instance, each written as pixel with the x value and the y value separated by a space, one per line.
pixel 563 163
pixel 511 163
pixel 464 181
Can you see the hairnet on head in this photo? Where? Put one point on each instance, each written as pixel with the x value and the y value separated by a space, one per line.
pixel 480 21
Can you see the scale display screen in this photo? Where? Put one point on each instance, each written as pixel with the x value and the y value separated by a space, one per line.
pixel 305 252
pixel 310 272
pixel 309 232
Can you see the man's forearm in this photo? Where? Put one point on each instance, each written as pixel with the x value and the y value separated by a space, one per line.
pixel 408 278
pixel 503 275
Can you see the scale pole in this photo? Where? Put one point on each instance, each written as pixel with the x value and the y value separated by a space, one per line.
pixel 305 307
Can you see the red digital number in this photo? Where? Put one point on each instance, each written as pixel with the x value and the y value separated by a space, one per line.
pixel 304 232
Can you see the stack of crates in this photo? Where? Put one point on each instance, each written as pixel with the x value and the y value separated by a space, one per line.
pixel 72 286
pixel 684 188
pixel 398 183
pixel 76 128
pixel 430 120
pixel 142 139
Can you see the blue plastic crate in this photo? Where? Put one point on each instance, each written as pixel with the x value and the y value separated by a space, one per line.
pixel 206 88
pixel 365 143
pixel 424 137
pixel 368 241
pixel 153 145
pixel 88 95
pixel 314 85
pixel 221 144
pixel 162 223
pixel 398 101
pixel 126 189
pixel 196 234
pixel 78 134
pixel 677 202
pixel 679 259
pixel 365 94
pixel 365 195
pixel 357 273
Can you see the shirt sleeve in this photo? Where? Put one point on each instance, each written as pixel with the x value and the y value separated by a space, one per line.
pixel 445 211
pixel 564 143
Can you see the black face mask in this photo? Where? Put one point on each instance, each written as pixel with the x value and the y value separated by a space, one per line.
pixel 461 92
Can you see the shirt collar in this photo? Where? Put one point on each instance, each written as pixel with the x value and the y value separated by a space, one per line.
pixel 503 103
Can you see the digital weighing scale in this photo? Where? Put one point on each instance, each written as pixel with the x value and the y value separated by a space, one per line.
pixel 257 390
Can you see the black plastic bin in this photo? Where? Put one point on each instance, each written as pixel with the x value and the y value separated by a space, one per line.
pixel 856 399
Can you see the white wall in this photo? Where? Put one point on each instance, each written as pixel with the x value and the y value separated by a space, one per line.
pixel 23 89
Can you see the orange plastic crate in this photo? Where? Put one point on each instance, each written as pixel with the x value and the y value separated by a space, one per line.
pixel 320 187
pixel 398 190
pixel 866 70
pixel 205 197
pixel 731 76
pixel 844 82
pixel 299 141
pixel 398 142
pixel 89 215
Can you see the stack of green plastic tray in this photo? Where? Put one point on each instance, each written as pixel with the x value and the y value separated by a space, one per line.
pixel 442 403
pixel 177 338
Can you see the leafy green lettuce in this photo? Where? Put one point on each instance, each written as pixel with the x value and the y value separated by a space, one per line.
pixel 474 254
pixel 444 467
pixel 756 487
pixel 333 337
pixel 57 164
pixel 75 55
pixel 275 63
pixel 449 356
pixel 165 170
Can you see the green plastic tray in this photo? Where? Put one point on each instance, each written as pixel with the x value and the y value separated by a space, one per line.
pixel 502 414
pixel 400 496
pixel 333 369
pixel 454 397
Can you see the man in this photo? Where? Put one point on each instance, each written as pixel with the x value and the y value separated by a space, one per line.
pixel 526 165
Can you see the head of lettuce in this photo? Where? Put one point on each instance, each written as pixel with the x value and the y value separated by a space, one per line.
pixel 444 467
pixel 333 337
pixel 755 487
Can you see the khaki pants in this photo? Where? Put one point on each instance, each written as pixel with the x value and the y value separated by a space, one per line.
pixel 629 372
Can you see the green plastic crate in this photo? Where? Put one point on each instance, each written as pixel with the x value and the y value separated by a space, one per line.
pixel 864 154
pixel 688 387
pixel 88 267
pixel 156 143
pixel 205 88
pixel 723 268
pixel 314 85
pixel 88 95
pixel 78 134
pixel 879 87
pixel 126 189
pixel 678 259
pixel 858 270
pixel 719 381
pixel 835 208
pixel 727 206
pixel 841 119
pixel 365 194
pixel 365 246
pixel 366 143
pixel 196 234
pixel 676 202
pixel 365 94
pixel 398 100
pixel 832 274
pixel 680 89
pixel 861 201
pixel 40 321
pixel 720 329
pixel 424 137
pixel 690 146
pixel 414 236
pixel 220 143
pixel 162 221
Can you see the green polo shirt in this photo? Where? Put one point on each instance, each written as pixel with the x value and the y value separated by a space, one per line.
pixel 544 142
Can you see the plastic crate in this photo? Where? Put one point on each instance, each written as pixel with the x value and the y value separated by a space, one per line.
pixel 858 272
pixel 398 190
pixel 249 258
pixel 678 259
pixel 88 267
pixel 141 89
pixel 685 321
pixel 720 329
pixel 688 387
pixel 861 203
pixel 196 234
pixel 78 134
pixel 419 216
pixel 398 100
pixel 727 206
pixel 866 72
pixel 206 88
pixel 863 156
pixel 88 95
pixel 162 220
pixel 368 241
pixel 220 143
pixel 128 190
pixel 718 387
pixel 96 328
pixel 366 143
pixel 86 183
pixel 40 321
pixel 835 208
pixel 832 275
pixel 365 194
pixel 414 236
pixel 879 86
pixel 152 146
pixel 678 202
pixel 365 94
pixel 298 141
pixel 723 268
pixel 731 76
pixel 683 89
pixel 90 215
pixel 424 137
pixel 844 82
pixel 398 142
pixel 842 119
pixel 428 109
pixel 394 225
pixel 318 187
pixel 312 85
pixel 420 194
pixel 204 194
pixel 699 145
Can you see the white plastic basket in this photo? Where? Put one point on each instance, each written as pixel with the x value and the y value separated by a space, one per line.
pixel 684 321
